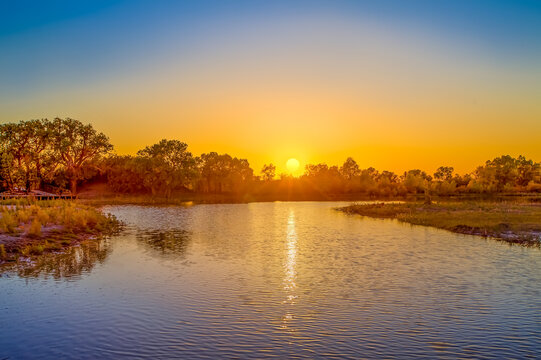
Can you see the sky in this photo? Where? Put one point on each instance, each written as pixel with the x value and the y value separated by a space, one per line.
pixel 396 85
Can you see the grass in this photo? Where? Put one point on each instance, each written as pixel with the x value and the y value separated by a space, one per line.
pixel 33 227
pixel 509 221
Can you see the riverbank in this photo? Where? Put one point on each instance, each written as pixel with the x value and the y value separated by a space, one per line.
pixel 514 222
pixel 30 228
pixel 188 199
pixel 99 194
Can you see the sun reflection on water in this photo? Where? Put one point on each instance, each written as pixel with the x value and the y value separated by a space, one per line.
pixel 290 271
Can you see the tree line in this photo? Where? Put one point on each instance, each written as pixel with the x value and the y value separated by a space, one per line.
pixel 61 154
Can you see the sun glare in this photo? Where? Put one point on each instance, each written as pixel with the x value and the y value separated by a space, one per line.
pixel 292 165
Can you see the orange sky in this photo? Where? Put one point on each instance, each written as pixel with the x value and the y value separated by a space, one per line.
pixel 318 88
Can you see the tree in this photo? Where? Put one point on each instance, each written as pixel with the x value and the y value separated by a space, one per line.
pixel 213 169
pixel 387 183
pixel 14 139
pixel 269 172
pixel 316 171
pixel 528 171
pixel 350 169
pixel 167 166
pixel 75 144
pixel 444 173
pixel 125 174
pixel 221 173
pixel 415 181
pixel 27 149
pixel 240 174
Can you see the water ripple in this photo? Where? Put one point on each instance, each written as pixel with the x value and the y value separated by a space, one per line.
pixel 278 280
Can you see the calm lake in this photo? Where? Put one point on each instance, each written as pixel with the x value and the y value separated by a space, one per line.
pixel 274 280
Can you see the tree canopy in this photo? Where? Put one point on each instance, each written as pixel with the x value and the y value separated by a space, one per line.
pixel 38 154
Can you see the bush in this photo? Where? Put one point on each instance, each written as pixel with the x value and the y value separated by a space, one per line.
pixel 43 217
pixel 36 250
pixel 23 215
pixel 533 187
pixel 8 223
pixel 35 228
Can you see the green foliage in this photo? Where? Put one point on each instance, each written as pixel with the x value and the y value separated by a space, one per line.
pixel 54 154
pixel 168 166
pixel 35 151
pixel 77 145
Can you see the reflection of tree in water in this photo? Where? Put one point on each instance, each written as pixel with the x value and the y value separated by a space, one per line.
pixel 71 261
pixel 172 241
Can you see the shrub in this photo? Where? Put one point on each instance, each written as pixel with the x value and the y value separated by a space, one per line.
pixel 35 228
pixel 8 223
pixel 23 215
pixel 36 249
pixel 43 217
pixel 2 251
pixel 25 251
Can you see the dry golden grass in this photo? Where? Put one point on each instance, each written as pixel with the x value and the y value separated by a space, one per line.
pixel 34 227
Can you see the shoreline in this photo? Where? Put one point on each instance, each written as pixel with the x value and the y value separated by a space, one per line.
pixel 39 227
pixel 183 199
pixel 31 228
pixel 514 223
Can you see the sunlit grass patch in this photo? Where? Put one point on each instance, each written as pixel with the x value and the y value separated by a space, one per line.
pixel 513 222
pixel 35 228
pixel 32 228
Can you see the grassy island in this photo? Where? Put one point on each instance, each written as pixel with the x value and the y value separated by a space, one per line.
pixel 29 228
pixel 518 223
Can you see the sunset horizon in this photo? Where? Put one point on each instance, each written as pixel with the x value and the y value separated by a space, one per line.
pixel 270 179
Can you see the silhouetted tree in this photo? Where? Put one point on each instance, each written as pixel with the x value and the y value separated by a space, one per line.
pixel 269 172
pixel 219 173
pixel 444 173
pixel 350 169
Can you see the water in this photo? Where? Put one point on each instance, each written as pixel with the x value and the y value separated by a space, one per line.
pixel 274 280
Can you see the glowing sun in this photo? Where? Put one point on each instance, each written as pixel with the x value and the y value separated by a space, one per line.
pixel 292 165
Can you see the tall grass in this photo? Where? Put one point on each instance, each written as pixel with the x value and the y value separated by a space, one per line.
pixel 69 215
pixel 8 222
pixel 35 228
pixel 38 227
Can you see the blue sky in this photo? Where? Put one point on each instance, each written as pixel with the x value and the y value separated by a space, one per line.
pixel 100 34
pixel 196 65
